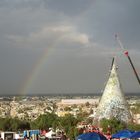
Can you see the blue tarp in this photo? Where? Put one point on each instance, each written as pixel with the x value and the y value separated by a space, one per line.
pixel 91 136
pixel 123 134
pixel 30 132
pixel 136 135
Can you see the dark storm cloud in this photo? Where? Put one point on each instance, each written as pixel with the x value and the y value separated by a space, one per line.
pixel 69 7
pixel 20 3
pixel 82 36
pixel 110 17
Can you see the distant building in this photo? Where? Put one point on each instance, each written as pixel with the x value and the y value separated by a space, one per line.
pixel 78 101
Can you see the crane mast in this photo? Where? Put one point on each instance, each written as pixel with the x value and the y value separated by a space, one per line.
pixel 127 55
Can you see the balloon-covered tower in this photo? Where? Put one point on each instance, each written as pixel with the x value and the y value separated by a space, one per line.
pixel 112 103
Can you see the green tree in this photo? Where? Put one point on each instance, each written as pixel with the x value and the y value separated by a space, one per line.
pixel 54 107
pixel 45 121
pixel 136 108
pixel 72 133
pixel 135 127
pixel 20 111
pixel 67 108
pixel 83 115
pixel 74 106
pixel 13 124
pixel 6 124
pixel 69 123
pixel 113 124
pixel 23 125
pixel 87 104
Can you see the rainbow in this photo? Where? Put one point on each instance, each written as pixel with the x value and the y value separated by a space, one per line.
pixel 40 63
pixel 32 76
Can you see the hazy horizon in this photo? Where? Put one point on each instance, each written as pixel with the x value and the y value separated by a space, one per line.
pixel 66 94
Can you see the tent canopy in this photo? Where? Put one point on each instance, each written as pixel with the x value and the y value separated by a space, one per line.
pixel 123 134
pixel 50 134
pixel 91 136
pixel 136 135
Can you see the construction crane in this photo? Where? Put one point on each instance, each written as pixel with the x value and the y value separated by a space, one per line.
pixel 127 55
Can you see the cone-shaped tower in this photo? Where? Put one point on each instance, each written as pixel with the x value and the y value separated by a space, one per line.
pixel 113 103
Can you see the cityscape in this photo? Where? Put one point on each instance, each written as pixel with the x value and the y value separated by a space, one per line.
pixel 30 107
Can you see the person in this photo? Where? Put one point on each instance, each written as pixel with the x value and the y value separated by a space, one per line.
pixel 26 138
pixel 1 138
pixel 63 136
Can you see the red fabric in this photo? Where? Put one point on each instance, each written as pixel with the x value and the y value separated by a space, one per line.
pixel 126 53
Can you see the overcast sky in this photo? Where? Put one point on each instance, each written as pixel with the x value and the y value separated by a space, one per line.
pixel 66 46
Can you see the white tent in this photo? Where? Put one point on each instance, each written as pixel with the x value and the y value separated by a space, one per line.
pixel 50 134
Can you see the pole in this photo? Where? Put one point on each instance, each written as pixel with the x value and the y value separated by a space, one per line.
pixel 112 63
pixel 135 72
pixel 127 55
